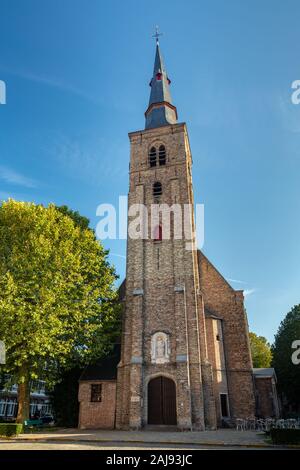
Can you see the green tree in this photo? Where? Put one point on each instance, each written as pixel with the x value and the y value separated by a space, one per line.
pixel 260 351
pixel 58 304
pixel 78 219
pixel 288 373
pixel 64 398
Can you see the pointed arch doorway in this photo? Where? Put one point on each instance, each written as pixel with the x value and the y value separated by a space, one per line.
pixel 162 401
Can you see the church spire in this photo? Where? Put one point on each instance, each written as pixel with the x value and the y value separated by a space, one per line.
pixel 161 111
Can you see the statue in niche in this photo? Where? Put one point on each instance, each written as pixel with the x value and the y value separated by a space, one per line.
pixel 160 348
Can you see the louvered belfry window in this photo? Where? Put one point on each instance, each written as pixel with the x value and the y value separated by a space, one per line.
pixel 152 157
pixel 162 155
pixel 157 189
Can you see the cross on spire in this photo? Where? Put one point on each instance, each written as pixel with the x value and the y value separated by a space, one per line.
pixel 157 34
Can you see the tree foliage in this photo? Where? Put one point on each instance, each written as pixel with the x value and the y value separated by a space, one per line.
pixel 287 372
pixel 57 297
pixel 78 219
pixel 64 398
pixel 260 351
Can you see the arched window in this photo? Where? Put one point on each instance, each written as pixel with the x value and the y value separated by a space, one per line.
pixel 157 233
pixel 162 155
pixel 157 189
pixel 152 157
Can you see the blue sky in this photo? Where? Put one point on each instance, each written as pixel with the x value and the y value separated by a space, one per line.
pixel 77 76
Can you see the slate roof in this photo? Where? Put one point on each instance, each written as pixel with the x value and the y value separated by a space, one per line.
pixel 104 369
pixel 208 313
pixel 160 89
pixel 264 372
pixel 165 113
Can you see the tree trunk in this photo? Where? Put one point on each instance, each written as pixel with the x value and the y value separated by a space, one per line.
pixel 23 396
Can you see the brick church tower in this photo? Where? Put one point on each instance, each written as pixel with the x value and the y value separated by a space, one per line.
pixel 164 376
pixel 185 352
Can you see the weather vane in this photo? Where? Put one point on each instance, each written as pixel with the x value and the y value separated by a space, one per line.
pixel 157 34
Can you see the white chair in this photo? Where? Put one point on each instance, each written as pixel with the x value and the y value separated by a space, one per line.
pixel 290 424
pixel 261 425
pixel 269 423
pixel 251 424
pixel 240 424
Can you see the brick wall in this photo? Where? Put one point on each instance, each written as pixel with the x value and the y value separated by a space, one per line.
pixel 155 270
pixel 97 415
pixel 228 305
pixel 265 397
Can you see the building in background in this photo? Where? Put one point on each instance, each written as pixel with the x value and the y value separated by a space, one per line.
pixel 39 400
pixel 266 397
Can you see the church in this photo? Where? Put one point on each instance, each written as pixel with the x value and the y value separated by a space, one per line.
pixel 184 359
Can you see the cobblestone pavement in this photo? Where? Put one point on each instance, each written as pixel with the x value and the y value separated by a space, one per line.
pixel 220 437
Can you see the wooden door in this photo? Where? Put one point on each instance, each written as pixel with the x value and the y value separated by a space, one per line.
pixel 162 401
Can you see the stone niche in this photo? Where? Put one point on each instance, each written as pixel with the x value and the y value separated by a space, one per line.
pixel 160 348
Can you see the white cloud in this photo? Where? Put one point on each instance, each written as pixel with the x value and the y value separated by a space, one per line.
pixel 248 292
pixel 117 254
pixel 11 176
pixel 237 281
pixel 91 163
pixel 52 82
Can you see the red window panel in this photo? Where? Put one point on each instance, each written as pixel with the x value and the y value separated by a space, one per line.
pixel 158 233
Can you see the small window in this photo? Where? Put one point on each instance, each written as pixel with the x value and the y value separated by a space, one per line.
pixel 152 157
pixel 157 189
pixel 224 405
pixel 162 155
pixel 96 392
pixel 218 337
pixel 157 235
